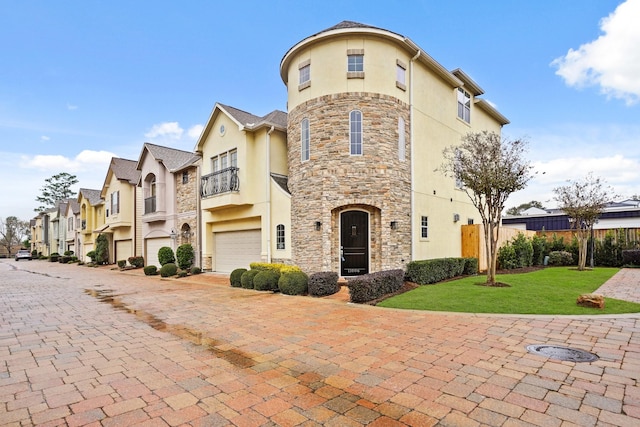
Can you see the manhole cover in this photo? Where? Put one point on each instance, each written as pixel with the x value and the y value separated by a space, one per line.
pixel 562 353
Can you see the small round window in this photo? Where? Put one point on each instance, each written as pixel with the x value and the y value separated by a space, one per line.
pixel 222 129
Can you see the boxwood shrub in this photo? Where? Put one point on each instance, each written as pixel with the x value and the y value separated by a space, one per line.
pixel 293 283
pixel 323 283
pixel 560 258
pixel 280 268
pixel 631 257
pixel 246 280
pixel 168 270
pixel 122 263
pixel 372 286
pixel 136 261
pixel 166 256
pixel 266 280
pixel 436 270
pixel 196 270
pixel 150 270
pixel 235 276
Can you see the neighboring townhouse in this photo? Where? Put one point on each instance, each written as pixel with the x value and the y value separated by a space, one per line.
pixel 72 225
pixel 122 197
pixel 58 220
pixel 351 184
pixel 91 221
pixel 38 234
pixel 246 205
pixel 169 215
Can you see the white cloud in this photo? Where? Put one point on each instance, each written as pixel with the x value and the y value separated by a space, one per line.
pixel 195 131
pixel 167 129
pixel 86 160
pixel 44 138
pixel 72 107
pixel 612 61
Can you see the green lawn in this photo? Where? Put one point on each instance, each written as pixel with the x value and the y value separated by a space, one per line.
pixel 547 291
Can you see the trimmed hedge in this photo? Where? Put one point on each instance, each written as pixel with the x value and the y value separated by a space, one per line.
pixel 122 263
pixel 246 280
pixel 266 280
pixel 150 270
pixel 168 270
pixel 560 258
pixel 166 256
pixel 279 268
pixel 372 286
pixel 196 270
pixel 235 277
pixel 293 283
pixel 429 271
pixel 631 257
pixel 323 283
pixel 185 256
pixel 136 261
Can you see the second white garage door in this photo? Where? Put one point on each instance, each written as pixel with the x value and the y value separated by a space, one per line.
pixel 236 249
pixel 152 249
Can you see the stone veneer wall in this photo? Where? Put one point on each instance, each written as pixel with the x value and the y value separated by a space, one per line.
pixel 186 207
pixel 333 181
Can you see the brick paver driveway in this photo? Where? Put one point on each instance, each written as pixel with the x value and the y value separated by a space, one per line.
pixel 83 346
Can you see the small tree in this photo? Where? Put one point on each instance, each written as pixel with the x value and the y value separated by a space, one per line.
pixel 489 169
pixel 102 249
pixel 583 202
pixel 57 188
pixel 12 231
pixel 185 256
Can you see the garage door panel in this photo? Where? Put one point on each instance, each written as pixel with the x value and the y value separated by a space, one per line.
pixel 123 249
pixel 237 249
pixel 153 245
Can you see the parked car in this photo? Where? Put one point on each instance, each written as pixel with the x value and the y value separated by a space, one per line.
pixel 23 254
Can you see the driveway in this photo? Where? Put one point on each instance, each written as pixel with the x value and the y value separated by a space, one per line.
pixel 95 346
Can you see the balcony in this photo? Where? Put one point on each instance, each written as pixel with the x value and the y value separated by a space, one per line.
pixel 219 182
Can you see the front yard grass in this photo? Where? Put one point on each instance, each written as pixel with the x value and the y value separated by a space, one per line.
pixel 551 290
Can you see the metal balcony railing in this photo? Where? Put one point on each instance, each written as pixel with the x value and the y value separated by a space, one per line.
pixel 219 182
pixel 150 205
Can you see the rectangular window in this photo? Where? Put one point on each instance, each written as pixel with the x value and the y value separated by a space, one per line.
pixel 280 236
pixel 233 156
pixel 355 63
pixel 424 227
pixel 401 75
pixel 304 140
pixel 215 164
pixel 470 221
pixel 185 177
pixel 464 105
pixel 115 202
pixel 304 72
pixel 355 133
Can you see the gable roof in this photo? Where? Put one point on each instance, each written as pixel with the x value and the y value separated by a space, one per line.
pixel 125 170
pixel 93 196
pixel 245 121
pixel 172 159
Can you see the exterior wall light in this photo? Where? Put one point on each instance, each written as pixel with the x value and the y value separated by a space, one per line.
pixel 456 217
pixel 394 225
pixel 318 225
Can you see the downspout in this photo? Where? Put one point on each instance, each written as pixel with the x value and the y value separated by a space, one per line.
pixel 268 190
pixel 413 160
pixel 199 227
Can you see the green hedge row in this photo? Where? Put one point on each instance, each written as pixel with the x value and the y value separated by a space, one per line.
pixel 429 271
pixel 372 286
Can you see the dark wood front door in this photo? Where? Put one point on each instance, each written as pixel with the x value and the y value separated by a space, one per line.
pixel 354 243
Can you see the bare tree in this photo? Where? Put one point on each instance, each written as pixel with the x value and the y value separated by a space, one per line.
pixel 489 169
pixel 583 202
pixel 12 231
pixel 57 188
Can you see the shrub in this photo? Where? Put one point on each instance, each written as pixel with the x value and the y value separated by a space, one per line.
pixel 507 258
pixel 150 270
pixel 54 257
pixel 182 273
pixel 607 252
pixel 136 261
pixel 556 244
pixel 323 283
pixel 102 249
pixel 165 255
pixel 435 270
pixel 372 286
pixel 122 263
pixel 185 256
pixel 168 270
pixel 64 259
pixel 68 253
pixel 293 283
pixel 34 253
pixel 236 276
pixel 246 280
pixel 280 268
pixel 631 257
pixel 539 246
pixel 266 280
pixel 524 250
pixel 560 258
pixel 470 266
pixel 196 270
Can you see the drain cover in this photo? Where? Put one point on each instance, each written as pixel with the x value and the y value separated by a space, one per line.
pixel 562 353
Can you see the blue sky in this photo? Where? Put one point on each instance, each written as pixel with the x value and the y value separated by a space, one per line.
pixel 82 81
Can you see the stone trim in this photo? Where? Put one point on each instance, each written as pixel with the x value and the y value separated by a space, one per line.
pixel 355 51
pixel 355 74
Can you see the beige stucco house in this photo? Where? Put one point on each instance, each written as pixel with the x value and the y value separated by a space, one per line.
pixel 168 184
pixel 72 225
pixel 91 221
pixel 369 115
pixel 245 203
pixel 122 197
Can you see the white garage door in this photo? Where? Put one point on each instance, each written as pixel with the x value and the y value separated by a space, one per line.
pixel 123 250
pixel 152 246
pixel 236 249
pixel 88 247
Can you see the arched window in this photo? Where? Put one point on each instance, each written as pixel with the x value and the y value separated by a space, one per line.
pixel 355 133
pixel 280 236
pixel 304 140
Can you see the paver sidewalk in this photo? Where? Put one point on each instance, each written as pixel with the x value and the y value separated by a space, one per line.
pixel 82 346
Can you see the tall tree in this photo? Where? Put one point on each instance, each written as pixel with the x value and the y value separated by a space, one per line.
pixel 489 169
pixel 583 201
pixel 12 231
pixel 517 210
pixel 57 187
